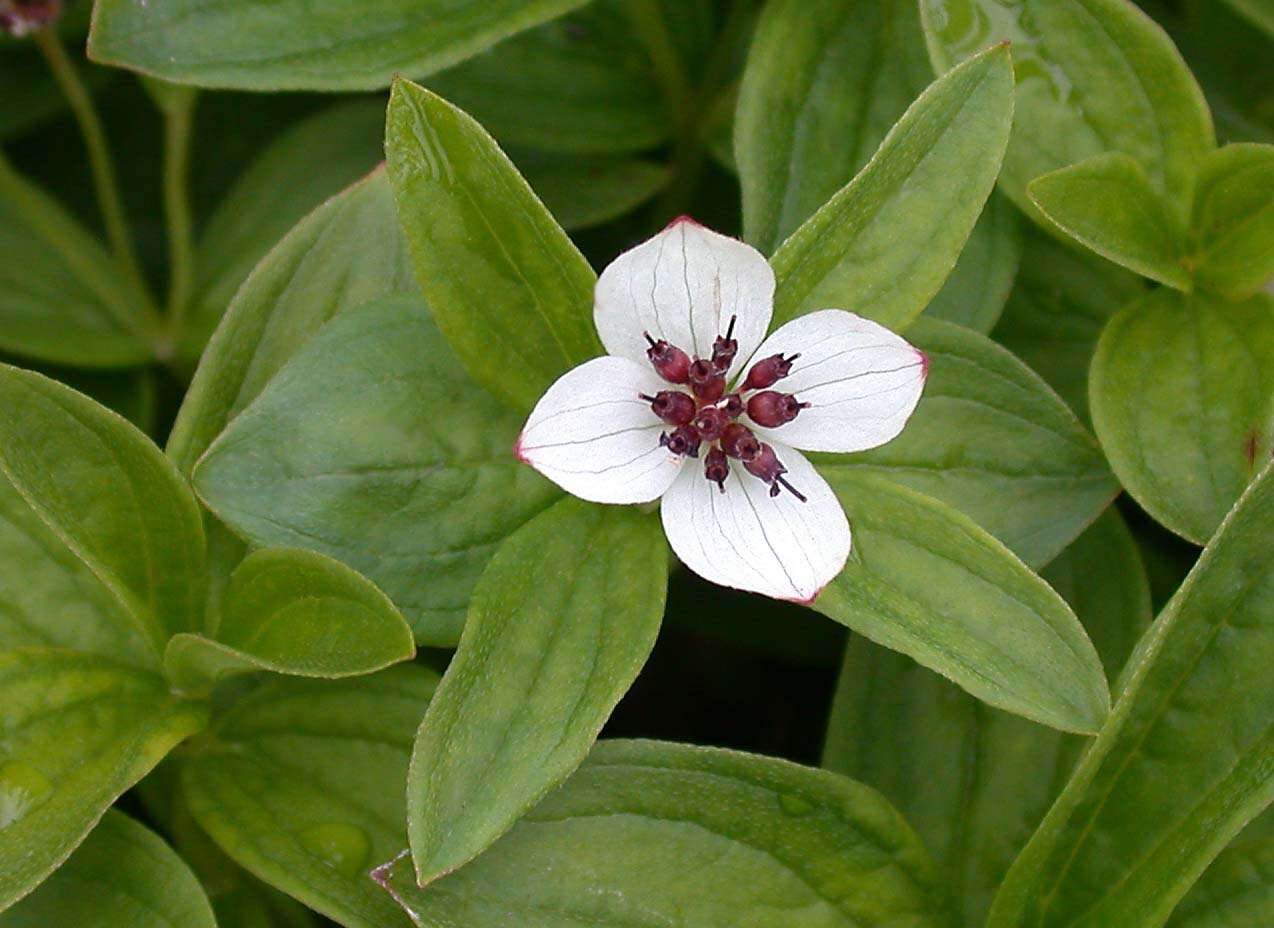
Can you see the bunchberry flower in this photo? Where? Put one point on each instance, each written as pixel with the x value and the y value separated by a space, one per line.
pixel 694 405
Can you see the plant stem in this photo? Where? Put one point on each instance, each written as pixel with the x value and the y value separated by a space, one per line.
pixel 104 180
pixel 178 122
pixel 695 111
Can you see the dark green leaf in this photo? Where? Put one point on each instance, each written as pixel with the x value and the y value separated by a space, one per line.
pixel 990 438
pixel 301 783
pixel 304 44
pixel 577 84
pixel 825 82
pixel 1259 12
pixel 564 617
pixel 1182 392
pixel 587 191
pixel 976 782
pixel 1061 301
pixel 63 299
pixel 649 833
pixel 1233 234
pixel 885 243
pixel 1093 76
pixel 975 293
pixel 78 731
pixel 122 876
pixel 925 580
pixel 111 499
pixel 346 252
pixel 508 289
pixel 295 612
pixel 373 446
pixel 336 147
pixel 1236 891
pixel 1183 762
pixel 1106 202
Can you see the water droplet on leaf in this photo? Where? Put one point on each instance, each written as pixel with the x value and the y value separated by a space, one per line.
pixel 345 848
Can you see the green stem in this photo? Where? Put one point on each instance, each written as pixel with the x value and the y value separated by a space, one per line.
pixel 104 180
pixel 178 122
pixel 694 110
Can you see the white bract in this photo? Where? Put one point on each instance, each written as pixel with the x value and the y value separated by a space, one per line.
pixel 695 405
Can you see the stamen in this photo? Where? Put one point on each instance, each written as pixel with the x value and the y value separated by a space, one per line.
pixel 768 371
pixel 771 408
pixel 737 441
pixel 774 489
pixel 724 349
pixel 673 406
pixel 732 406
pixel 706 381
pixel 716 468
pixel 671 363
pixel 709 422
pixel 683 440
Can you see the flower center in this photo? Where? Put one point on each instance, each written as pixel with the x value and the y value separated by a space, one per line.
pixel 707 415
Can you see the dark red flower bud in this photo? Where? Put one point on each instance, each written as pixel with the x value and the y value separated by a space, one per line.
pixel 769 371
pixel 673 406
pixel 672 364
pixel 771 408
pixel 706 382
pixel 709 422
pixel 732 406
pixel 682 440
pixel 716 468
pixel 768 469
pixel 724 349
pixel 737 441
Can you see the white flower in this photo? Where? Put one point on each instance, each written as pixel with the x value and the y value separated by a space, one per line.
pixel 691 405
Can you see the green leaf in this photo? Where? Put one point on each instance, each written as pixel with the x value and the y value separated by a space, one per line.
pixel 63 299
pixel 885 243
pixel 345 253
pixel 648 833
pixel 564 617
pixel 109 496
pixel 130 393
pixel 1093 76
pixel 976 782
pixel 304 44
pixel 301 783
pixel 295 612
pixel 975 293
pixel 78 731
pixel 825 81
pixel 49 597
pixel 925 580
pixel 1259 12
pixel 577 84
pixel 991 439
pixel 336 146
pixel 590 190
pixel 1183 762
pixel 1236 890
pixel 1106 202
pixel 122 876
pixel 374 447
pixel 508 289
pixel 1233 234
pixel 1061 301
pixel 1182 392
